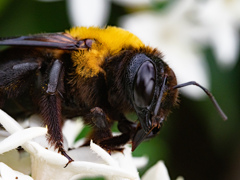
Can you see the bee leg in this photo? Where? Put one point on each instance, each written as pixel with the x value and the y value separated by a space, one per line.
pixel 115 143
pixel 101 127
pixel 50 108
pixel 127 128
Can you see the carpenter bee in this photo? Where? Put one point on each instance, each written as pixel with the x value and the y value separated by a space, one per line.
pixel 99 74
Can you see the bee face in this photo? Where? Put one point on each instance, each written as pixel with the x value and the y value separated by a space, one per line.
pixel 149 83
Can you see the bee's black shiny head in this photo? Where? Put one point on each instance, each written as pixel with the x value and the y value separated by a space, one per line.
pixel 149 82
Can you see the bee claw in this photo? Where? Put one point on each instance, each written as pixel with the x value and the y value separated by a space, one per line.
pixel 68 157
pixel 69 161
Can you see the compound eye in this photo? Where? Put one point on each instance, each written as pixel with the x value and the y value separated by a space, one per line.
pixel 144 84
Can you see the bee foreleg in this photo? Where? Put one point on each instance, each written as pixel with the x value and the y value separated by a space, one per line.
pixel 50 107
pixel 127 128
pixel 102 133
pixel 100 124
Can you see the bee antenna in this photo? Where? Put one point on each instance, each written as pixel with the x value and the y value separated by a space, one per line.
pixel 220 111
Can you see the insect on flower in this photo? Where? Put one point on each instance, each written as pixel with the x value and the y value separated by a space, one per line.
pixel 99 74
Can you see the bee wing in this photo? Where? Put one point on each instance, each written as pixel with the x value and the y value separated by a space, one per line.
pixel 49 40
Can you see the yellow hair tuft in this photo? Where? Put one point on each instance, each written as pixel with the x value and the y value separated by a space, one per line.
pixel 107 42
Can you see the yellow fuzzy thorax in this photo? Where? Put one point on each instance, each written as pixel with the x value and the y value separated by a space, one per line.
pixel 107 42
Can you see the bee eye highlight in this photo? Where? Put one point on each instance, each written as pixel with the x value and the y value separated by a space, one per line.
pixel 144 84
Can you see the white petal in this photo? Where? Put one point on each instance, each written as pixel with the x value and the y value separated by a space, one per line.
pixel 85 154
pixel 226 45
pixel 103 154
pixel 9 123
pixel 38 151
pixel 125 160
pixel 20 137
pixel 220 19
pixel 180 178
pixel 88 13
pixel 8 174
pixel 42 140
pixel 158 171
pixel 47 164
pixel 140 162
pixel 71 129
pixel 101 169
pixel 117 159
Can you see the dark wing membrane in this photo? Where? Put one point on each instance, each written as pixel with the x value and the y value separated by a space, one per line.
pixel 49 40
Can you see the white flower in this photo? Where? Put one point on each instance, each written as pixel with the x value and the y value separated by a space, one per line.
pixel 88 13
pixel 158 171
pixel 47 164
pixel 221 20
pixel 96 12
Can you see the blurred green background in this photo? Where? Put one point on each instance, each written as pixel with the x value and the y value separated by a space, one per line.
pixel 194 142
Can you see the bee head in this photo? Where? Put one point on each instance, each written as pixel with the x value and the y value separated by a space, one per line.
pixel 149 83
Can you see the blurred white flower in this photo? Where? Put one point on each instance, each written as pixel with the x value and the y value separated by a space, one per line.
pixel 158 171
pixel 172 33
pixel 221 20
pixel 88 13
